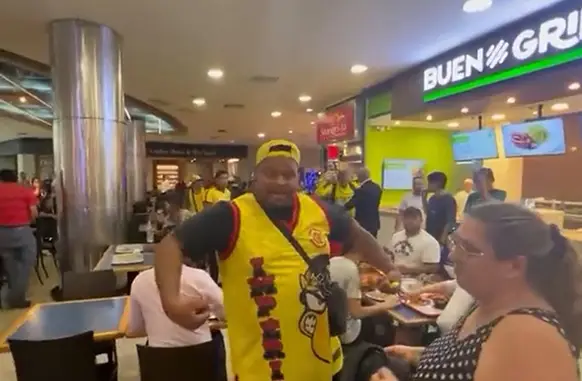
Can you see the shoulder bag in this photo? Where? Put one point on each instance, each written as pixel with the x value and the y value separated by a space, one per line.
pixel 335 296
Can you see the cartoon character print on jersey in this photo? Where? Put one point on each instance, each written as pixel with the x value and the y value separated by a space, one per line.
pixel 314 284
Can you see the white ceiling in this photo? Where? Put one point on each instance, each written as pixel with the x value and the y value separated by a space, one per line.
pixel 309 44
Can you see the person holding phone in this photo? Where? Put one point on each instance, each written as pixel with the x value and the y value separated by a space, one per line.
pixel 485 191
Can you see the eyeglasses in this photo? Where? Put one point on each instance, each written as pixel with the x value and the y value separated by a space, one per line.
pixel 466 248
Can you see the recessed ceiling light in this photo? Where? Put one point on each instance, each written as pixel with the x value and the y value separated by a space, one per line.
pixel 429 117
pixel 199 102
pixel 309 110
pixel 321 115
pixel 22 99
pixel 276 114
pixel 535 112
pixel 261 135
pixel 312 123
pixel 304 98
pixel 464 110
pixel 397 122
pixel 560 106
pixel 474 6
pixel 511 100
pixel 231 141
pixel 215 73
pixel 453 125
pixel 498 116
pixel 290 131
pixel 358 69
pixel 574 86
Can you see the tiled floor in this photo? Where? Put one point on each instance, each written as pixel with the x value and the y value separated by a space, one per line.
pixel 128 366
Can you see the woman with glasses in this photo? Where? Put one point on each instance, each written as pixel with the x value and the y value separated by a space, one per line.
pixel 526 321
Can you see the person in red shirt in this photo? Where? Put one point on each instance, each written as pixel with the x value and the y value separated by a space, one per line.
pixel 18 210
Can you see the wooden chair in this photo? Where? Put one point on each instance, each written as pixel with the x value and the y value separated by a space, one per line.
pixel 65 359
pixel 191 363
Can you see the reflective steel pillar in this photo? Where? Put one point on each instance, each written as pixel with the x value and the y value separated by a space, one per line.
pixel 136 162
pixel 88 140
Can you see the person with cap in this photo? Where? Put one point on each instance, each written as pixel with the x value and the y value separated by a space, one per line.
pixel 277 305
pixel 195 195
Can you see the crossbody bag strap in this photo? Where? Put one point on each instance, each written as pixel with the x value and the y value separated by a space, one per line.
pixel 289 236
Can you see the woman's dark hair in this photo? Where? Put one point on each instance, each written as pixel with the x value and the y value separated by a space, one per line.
pixel 47 187
pixel 553 267
pixel 8 176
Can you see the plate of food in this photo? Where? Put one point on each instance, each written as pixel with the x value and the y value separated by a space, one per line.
pixel 376 296
pixel 128 248
pixel 426 304
pixel 127 259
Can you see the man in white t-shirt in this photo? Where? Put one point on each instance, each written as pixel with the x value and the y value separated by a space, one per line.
pixel 344 271
pixel 413 199
pixel 415 251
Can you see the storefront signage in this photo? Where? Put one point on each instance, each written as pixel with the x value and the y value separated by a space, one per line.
pixel 338 124
pixel 166 149
pixel 552 39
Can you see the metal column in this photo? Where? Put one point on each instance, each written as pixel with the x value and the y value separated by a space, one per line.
pixel 88 140
pixel 136 162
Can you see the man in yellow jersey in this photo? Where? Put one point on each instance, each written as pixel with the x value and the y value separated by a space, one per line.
pixel 338 190
pixel 275 305
pixel 218 191
pixel 195 195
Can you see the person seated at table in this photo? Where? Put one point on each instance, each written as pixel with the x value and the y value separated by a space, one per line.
pixel 147 316
pixel 525 278
pixel 415 251
pixel 344 270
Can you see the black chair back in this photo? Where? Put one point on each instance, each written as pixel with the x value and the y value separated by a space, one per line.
pixel 46 228
pixel 191 363
pixel 65 359
pixel 89 285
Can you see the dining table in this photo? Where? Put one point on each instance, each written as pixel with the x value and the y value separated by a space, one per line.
pixel 105 317
pixel 409 323
pixel 107 263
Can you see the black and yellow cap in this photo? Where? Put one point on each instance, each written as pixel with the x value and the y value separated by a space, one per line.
pixel 278 147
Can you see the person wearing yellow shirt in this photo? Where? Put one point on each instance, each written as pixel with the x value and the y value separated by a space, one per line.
pixel 195 193
pixel 218 191
pixel 337 190
pixel 277 303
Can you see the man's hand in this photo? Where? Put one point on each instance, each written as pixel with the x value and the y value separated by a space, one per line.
pixel 188 312
pixel 384 374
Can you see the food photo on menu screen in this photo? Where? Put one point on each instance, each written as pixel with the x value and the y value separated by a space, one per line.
pixel 474 145
pixel 539 137
pixel 397 174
